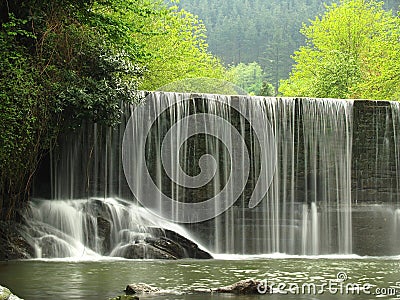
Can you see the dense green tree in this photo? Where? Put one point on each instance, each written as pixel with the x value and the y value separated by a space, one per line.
pixel 251 78
pixel 351 53
pixel 179 51
pixel 264 31
pixel 172 40
pixel 63 62
pixel 56 71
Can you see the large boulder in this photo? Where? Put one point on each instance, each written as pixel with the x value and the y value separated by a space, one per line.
pixel 142 251
pixel 243 287
pixel 191 249
pixel 162 244
pixel 54 247
pixel 140 288
pixel 167 245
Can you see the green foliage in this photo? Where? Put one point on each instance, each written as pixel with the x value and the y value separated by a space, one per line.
pixel 350 53
pixel 88 82
pixel 251 78
pixel 203 85
pixel 171 42
pixel 179 51
pixel 265 31
pixel 20 112
pixel 262 31
pixel 267 89
pixel 64 62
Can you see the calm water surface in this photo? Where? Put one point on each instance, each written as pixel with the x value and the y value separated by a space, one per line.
pixel 104 279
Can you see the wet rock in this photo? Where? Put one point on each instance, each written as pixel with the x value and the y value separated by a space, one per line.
pixel 191 249
pixel 140 288
pixel 243 287
pixel 164 244
pixel 167 246
pixel 142 251
pixel 5 294
pixel 104 234
pixel 52 247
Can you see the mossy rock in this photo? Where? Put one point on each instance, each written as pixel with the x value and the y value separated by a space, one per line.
pixel 4 293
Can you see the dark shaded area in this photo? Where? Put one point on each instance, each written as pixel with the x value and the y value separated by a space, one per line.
pixel 12 244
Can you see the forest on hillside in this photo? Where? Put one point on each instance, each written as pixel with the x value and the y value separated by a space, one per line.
pixel 262 31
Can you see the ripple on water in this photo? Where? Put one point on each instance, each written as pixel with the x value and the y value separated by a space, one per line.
pixel 69 280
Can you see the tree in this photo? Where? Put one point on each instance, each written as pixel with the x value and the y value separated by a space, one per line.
pixel 251 78
pixel 171 41
pixel 56 72
pixel 178 50
pixel 264 31
pixel 350 53
pixel 64 62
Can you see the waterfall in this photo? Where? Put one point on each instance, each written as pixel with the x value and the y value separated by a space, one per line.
pixel 307 209
pixel 242 174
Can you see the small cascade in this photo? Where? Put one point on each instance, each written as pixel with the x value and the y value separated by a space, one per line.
pixel 305 232
pixel 314 229
pixel 90 228
pixel 310 239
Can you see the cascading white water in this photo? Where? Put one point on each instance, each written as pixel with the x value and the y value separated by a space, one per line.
pixel 397 221
pixel 305 198
pixel 327 130
pixel 89 228
pixel 307 209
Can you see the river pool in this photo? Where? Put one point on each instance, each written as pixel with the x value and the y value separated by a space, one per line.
pixel 290 277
